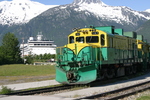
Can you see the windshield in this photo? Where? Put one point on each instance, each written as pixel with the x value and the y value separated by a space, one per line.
pixel 92 39
pixel 71 39
pixel 80 39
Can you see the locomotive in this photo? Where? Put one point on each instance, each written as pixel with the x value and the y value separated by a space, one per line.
pixel 97 53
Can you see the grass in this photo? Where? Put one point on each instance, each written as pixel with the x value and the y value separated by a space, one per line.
pixel 25 73
pixel 144 98
pixel 26 70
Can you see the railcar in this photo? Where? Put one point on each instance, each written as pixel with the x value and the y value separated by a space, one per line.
pixel 96 53
pixel 143 53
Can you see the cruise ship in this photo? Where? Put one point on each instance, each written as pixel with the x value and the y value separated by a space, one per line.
pixel 37 46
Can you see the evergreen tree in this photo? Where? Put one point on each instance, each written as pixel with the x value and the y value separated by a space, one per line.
pixel 11 50
pixel 1 56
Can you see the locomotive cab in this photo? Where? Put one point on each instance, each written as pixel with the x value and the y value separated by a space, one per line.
pixel 89 36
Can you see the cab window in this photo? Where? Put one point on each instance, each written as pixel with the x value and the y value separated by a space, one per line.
pixel 80 39
pixel 102 39
pixel 71 39
pixel 92 39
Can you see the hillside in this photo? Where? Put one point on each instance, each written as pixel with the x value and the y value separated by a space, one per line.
pixel 145 30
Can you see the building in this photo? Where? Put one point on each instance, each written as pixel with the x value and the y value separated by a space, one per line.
pixel 37 46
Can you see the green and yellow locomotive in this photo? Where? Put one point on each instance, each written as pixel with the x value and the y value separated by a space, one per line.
pixel 96 53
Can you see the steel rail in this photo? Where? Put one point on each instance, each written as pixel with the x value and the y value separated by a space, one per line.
pixel 43 90
pixel 117 93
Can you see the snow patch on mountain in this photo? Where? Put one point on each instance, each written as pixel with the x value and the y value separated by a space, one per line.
pixel 20 11
pixel 112 13
pixel 148 10
pixel 78 2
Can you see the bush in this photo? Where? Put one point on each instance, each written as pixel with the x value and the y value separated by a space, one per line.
pixel 39 58
pixel 29 59
pixel 5 90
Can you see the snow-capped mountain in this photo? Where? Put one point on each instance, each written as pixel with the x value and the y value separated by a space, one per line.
pixel 20 11
pixel 59 21
pixel 113 13
pixel 148 10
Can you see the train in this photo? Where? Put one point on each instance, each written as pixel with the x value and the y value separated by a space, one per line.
pixel 102 52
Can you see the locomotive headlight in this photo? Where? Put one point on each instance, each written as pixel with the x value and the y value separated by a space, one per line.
pixel 77 34
pixel 85 31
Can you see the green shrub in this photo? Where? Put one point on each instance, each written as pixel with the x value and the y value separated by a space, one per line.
pixel 5 90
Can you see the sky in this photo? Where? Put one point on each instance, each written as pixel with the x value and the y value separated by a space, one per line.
pixel 139 5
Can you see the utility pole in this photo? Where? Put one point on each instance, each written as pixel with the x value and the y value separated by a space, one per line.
pixel 23 47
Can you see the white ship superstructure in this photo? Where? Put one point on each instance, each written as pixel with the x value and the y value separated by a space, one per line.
pixel 38 46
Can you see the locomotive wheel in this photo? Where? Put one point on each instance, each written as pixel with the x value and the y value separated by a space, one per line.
pixel 129 70
pixel 110 73
pixel 102 74
pixel 134 69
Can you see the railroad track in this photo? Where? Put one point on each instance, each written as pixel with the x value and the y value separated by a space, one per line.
pixel 43 90
pixel 120 93
pixel 57 88
pixel 67 87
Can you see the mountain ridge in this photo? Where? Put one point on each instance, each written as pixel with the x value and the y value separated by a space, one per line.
pixel 78 2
